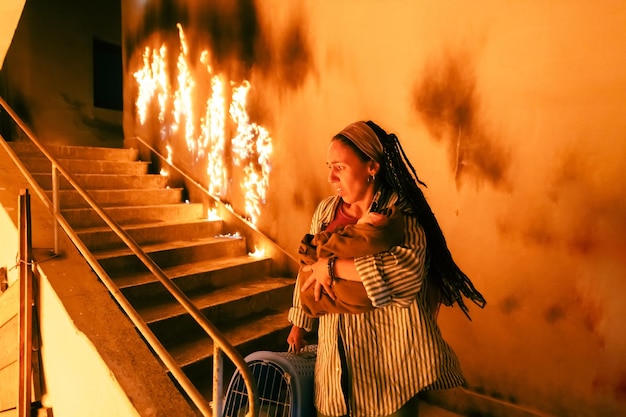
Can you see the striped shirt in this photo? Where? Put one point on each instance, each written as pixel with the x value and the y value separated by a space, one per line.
pixel 393 351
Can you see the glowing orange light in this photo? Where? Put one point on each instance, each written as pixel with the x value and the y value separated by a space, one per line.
pixel 212 214
pixel 213 136
pixel 206 138
pixel 164 171
pixel 183 106
pixel 258 253
pixel 250 141
pixel 152 80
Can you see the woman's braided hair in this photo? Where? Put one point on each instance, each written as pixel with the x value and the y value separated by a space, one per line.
pixel 400 175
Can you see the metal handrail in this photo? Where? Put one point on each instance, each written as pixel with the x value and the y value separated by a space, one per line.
pixel 219 342
pixel 286 262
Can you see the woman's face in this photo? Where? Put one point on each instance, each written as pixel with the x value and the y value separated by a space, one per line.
pixel 349 175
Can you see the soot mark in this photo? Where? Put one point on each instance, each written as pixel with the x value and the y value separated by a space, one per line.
pixel 585 206
pixel 294 56
pixel 445 98
pixel 232 27
pixel 620 388
pixel 554 314
pixel 510 304
pixel 234 33
pixel 289 59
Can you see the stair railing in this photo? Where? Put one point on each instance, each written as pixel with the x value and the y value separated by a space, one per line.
pixel 220 344
pixel 283 263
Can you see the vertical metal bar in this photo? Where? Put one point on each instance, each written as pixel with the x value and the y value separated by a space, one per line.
pixel 26 302
pixel 56 206
pixel 218 376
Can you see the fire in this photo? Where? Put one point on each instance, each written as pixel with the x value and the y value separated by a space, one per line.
pixel 152 80
pixel 213 137
pixel 212 214
pixel 205 133
pixel 258 253
pixel 251 140
pixel 183 105
pixel 165 171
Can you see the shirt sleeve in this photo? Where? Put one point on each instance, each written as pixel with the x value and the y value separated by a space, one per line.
pixel 296 316
pixel 396 276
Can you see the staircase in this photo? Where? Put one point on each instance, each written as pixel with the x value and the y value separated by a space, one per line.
pixel 233 289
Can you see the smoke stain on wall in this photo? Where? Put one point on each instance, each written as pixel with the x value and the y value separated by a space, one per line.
pixel 294 56
pixel 584 208
pixel 510 304
pixel 554 314
pixel 284 60
pixel 233 31
pixel 447 101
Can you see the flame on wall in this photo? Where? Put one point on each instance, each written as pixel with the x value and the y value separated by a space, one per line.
pixel 220 134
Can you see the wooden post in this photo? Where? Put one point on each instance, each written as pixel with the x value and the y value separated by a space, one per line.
pixel 26 303
pixel 4 280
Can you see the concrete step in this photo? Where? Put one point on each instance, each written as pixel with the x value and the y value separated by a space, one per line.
pixel 120 197
pixel 27 148
pixel 100 238
pixel 104 181
pixel 120 262
pixel 269 330
pixel 87 166
pixel 193 278
pixel 195 355
pixel 231 288
pixel 87 217
pixel 169 321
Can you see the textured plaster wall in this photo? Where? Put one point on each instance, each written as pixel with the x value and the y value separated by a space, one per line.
pixel 10 10
pixel 47 76
pixel 511 112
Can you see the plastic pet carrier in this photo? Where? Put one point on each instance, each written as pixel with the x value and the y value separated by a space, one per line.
pixel 284 385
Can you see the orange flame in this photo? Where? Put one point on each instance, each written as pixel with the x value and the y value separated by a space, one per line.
pixel 251 146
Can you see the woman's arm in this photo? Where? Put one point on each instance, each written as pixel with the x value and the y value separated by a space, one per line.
pixel 395 276
pixel 296 314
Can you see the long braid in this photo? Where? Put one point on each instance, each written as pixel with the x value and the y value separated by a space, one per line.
pixel 401 176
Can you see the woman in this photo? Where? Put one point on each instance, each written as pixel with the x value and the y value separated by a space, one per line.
pixel 374 364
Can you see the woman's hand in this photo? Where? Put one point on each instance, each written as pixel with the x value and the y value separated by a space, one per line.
pixel 296 339
pixel 319 279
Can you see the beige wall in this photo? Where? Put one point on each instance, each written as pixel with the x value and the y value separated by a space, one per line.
pixel 10 10
pixel 511 112
pixel 47 73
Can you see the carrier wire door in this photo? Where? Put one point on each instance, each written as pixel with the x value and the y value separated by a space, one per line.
pixel 284 384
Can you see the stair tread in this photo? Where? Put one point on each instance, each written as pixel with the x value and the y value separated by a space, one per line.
pixel 86 160
pixel 49 146
pixel 155 247
pixel 82 175
pixel 137 226
pixel 121 190
pixel 153 206
pixel 186 269
pixel 24 148
pixel 192 351
pixel 158 312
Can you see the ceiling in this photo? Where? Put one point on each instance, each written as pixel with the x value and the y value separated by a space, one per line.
pixel 10 10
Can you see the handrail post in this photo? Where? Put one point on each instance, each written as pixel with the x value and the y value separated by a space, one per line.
pixel 218 371
pixel 56 207
pixel 26 303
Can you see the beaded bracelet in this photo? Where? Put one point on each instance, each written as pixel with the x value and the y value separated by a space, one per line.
pixel 331 269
